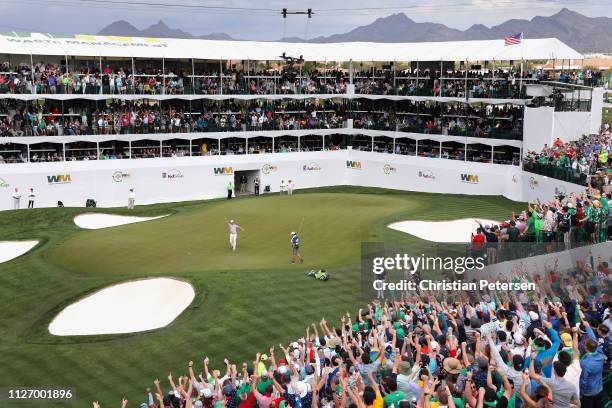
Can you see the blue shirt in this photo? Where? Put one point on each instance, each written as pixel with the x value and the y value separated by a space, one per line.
pixel 545 357
pixel 592 373
pixel 295 241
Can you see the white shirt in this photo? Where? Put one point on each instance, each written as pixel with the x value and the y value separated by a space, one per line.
pixel 17 195
pixel 573 374
pixel 132 195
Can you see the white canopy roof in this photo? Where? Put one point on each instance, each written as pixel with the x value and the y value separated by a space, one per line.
pixel 111 46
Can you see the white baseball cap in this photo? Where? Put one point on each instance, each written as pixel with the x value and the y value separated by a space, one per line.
pixel 232 221
pixel 293 233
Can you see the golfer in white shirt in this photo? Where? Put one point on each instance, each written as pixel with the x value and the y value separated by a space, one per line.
pixel 290 186
pixel 131 199
pixel 233 233
pixel 16 198
pixel 282 186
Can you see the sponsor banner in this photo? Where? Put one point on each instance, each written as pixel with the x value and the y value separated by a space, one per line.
pixel 312 166
pixel 3 183
pixel 388 169
pixel 469 178
pixel 223 171
pixel 172 174
pixel 59 179
pixel 353 164
pixel 427 174
pixel 268 168
pixel 119 176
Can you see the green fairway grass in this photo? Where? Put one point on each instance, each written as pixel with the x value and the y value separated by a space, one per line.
pixel 245 301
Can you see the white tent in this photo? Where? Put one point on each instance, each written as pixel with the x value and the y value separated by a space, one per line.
pixel 111 46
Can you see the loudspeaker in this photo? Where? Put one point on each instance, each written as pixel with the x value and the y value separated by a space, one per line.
pixel 90 203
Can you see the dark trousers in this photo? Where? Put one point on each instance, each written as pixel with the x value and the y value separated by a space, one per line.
pixel 592 401
pixel 256 189
pixel 229 194
pixel 31 204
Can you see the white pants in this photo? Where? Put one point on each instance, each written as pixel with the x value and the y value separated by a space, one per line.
pixel 16 203
pixel 131 202
pixel 233 239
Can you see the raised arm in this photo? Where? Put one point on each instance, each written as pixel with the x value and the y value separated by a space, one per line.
pixel 206 372
pixel 171 381
pixel 158 389
pixel 524 396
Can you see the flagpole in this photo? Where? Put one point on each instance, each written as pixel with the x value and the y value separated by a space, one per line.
pixel 522 60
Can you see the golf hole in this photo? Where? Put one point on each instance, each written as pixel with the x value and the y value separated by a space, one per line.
pixel 98 221
pixel 12 249
pixel 129 307
pixel 455 231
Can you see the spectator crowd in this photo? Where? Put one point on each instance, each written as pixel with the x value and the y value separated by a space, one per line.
pixel 587 160
pixel 210 77
pixel 426 349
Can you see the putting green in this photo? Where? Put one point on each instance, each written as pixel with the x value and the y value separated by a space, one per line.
pixel 196 241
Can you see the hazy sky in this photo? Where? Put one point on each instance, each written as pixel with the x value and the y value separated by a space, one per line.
pixel 261 20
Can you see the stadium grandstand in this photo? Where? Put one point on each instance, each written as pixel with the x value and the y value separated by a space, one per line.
pixel 88 98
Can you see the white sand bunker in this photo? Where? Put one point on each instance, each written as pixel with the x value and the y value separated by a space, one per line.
pixel 455 231
pixel 97 221
pixel 125 308
pixel 12 249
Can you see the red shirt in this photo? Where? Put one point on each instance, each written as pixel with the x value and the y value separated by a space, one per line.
pixel 477 241
pixel 249 402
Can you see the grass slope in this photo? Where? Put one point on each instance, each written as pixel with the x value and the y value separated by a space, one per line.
pixel 245 302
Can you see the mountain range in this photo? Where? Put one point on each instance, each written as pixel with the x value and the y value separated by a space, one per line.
pixel 158 30
pixel 586 34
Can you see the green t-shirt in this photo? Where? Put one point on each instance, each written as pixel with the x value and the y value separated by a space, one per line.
pixel 596 215
pixel 513 234
pixel 261 387
pixel 400 333
pixel 531 224
pixel 393 398
pixel 244 388
pixel 459 402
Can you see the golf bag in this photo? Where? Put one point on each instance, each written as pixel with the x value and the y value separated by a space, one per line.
pixel 320 274
pixel 90 203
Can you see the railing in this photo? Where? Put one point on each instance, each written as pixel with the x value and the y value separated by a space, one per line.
pixel 560 173
pixel 473 87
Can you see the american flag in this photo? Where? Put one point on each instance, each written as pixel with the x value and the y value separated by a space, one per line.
pixel 513 39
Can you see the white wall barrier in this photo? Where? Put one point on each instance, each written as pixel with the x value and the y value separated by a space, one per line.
pixel 543 125
pixel 197 178
pixel 538 125
pixel 570 126
pixel 558 261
